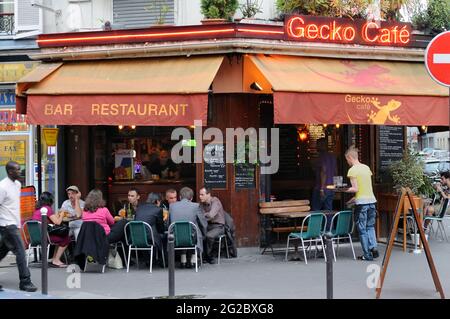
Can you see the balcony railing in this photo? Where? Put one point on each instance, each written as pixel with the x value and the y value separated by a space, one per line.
pixel 6 23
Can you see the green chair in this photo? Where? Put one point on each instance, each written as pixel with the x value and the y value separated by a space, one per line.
pixel 137 240
pixel 316 225
pixel 32 232
pixel 185 236
pixel 342 227
pixel 439 220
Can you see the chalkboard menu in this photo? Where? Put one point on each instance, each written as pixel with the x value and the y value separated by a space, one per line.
pixel 391 146
pixel 214 167
pixel 244 176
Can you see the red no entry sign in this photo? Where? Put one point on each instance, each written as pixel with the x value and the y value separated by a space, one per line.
pixel 437 58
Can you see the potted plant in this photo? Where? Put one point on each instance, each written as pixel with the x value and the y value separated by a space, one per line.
pixel 308 7
pixel 409 172
pixel 217 11
pixel 161 10
pixel 353 9
pixel 250 8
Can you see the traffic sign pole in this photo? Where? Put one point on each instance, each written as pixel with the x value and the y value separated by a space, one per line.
pixel 437 62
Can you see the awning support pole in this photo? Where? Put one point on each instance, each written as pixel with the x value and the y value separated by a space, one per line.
pixel 39 159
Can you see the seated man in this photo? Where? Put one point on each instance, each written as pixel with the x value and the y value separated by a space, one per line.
pixel 185 210
pixel 442 189
pixel 131 206
pixel 74 206
pixel 152 214
pixel 171 197
pixel 215 215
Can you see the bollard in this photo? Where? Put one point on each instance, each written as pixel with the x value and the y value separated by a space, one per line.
pixel 44 270
pixel 171 253
pixel 329 254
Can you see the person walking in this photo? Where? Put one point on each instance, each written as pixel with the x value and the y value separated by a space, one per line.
pixel 325 170
pixel 11 240
pixel 360 177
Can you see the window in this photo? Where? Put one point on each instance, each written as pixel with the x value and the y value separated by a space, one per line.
pixel 142 13
pixel 6 17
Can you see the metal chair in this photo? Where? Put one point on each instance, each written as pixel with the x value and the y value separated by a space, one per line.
pixel 185 235
pixel 439 220
pixel 316 223
pixel 220 239
pixel 32 230
pixel 138 240
pixel 342 226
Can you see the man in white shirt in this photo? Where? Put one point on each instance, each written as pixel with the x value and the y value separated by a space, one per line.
pixel 74 206
pixel 10 238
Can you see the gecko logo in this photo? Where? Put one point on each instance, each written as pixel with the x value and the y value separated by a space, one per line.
pixel 374 111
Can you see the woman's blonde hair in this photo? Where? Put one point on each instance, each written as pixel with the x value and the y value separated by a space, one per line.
pixel 352 152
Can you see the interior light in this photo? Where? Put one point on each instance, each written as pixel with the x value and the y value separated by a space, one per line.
pixel 338 125
pixel 325 125
pixel 133 127
pixel 120 127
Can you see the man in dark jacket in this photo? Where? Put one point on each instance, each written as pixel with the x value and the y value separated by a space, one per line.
pixel 152 214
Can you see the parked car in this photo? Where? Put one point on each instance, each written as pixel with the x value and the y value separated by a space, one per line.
pixel 433 167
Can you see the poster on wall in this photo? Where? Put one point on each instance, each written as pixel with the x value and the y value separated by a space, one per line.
pixel 12 151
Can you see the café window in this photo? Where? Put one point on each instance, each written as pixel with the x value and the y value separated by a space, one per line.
pixel 132 153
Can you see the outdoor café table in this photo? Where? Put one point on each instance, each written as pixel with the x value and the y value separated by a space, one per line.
pixel 70 219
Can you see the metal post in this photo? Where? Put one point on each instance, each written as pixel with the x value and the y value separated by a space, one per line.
pixel 329 253
pixel 171 253
pixel 39 159
pixel 44 271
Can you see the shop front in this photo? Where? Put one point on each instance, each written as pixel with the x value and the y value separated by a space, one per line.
pixel 119 112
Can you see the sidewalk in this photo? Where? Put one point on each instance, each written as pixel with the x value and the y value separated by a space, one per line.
pixel 252 275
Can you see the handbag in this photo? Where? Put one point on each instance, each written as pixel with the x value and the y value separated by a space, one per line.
pixel 114 260
pixel 58 230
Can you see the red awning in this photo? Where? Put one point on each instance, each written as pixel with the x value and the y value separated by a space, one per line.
pixel 332 91
pixel 296 108
pixel 159 92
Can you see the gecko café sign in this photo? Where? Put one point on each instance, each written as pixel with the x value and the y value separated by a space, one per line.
pixel 347 31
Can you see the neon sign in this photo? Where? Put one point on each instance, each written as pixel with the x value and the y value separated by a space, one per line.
pixel 339 30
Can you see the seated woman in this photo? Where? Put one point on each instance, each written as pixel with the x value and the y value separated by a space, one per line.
pixel 46 200
pixel 95 211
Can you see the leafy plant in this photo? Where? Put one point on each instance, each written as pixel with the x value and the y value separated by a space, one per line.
pixel 219 9
pixel 310 7
pixel 434 19
pixel 390 9
pixel 250 8
pixel 162 12
pixel 334 8
pixel 408 172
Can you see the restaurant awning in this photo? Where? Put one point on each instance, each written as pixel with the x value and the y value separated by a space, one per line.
pixel 160 91
pixel 334 91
